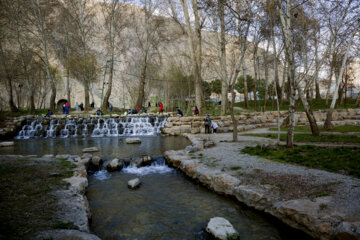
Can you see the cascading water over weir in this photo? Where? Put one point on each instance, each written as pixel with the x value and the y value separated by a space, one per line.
pixel 92 127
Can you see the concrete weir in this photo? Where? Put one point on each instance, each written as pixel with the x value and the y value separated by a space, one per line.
pixel 324 205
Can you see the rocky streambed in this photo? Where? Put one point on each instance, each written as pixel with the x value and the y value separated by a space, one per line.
pixel 324 205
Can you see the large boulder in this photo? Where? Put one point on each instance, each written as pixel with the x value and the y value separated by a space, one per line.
pixel 222 229
pixel 7 144
pixel 90 149
pixel 113 165
pixel 134 183
pixel 96 161
pixel 133 140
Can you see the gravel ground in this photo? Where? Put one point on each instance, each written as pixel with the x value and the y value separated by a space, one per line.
pixel 283 181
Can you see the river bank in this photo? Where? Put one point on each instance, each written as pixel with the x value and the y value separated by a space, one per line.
pixel 325 205
pixel 44 197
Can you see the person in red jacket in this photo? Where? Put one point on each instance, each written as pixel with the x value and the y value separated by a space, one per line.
pixel 67 107
pixel 138 108
pixel 161 107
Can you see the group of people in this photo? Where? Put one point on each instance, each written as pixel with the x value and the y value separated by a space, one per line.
pixel 80 107
pixel 136 110
pixel 210 126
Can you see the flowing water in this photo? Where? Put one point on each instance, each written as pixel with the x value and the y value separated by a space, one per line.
pixel 93 127
pixel 168 205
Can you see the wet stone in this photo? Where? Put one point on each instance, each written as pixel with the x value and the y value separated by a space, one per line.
pixel 90 149
pixel 133 140
pixel 134 183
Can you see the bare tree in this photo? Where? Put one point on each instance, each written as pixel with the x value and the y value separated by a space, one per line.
pixel 148 39
pixel 327 124
pixel 39 11
pixel 285 17
pixel 194 40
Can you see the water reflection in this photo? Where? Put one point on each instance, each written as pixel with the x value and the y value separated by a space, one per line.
pixel 109 146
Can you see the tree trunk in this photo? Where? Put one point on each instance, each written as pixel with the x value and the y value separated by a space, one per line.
pixel 87 99
pixel 224 98
pixel 310 115
pixel 256 81
pixel 68 87
pixel 12 106
pixel 283 85
pixel 233 119
pixel 109 88
pixel 222 57
pixel 266 65
pixel 246 94
pixel 112 46
pixel 140 98
pixel 32 103
pixel 316 80
pixel 285 17
pixel 198 55
pixel 276 71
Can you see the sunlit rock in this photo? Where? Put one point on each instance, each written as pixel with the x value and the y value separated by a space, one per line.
pixel 222 229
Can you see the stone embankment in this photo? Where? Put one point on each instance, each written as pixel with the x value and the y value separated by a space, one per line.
pixel 325 205
pixel 179 125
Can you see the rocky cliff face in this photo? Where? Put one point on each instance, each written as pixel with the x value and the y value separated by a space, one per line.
pixel 172 50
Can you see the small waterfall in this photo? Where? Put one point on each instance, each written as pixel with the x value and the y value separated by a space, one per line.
pixel 94 127
pixel 31 130
pixel 158 166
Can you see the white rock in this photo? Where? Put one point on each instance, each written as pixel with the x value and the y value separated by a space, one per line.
pixel 90 149
pixel 133 140
pixel 6 144
pixel 48 156
pixel 221 228
pixel 113 165
pixel 134 183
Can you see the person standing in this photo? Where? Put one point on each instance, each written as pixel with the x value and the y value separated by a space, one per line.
pixel 63 109
pixel 67 107
pixel 207 122
pixel 111 107
pixel 77 107
pixel 196 110
pixel 161 107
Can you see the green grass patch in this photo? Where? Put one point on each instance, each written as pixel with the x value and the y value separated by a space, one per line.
pixel 340 159
pixel 346 128
pixel 316 104
pixel 27 204
pixel 235 168
pixel 310 138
